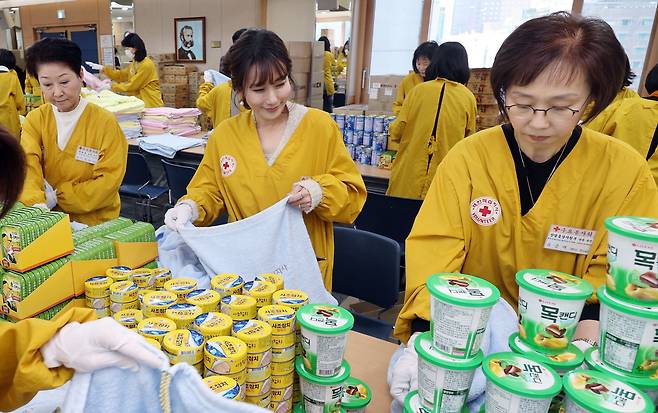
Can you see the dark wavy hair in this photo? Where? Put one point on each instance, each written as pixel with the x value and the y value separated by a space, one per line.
pixel 450 61
pixel 12 159
pixel 50 50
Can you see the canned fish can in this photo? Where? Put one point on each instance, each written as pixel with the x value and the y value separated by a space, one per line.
pixel 387 123
pixel 283 368
pixel 155 327
pixel 379 142
pixel 129 318
pixel 258 360
pixel 183 346
pixel 358 123
pixel 223 386
pixel 284 341
pixel 261 290
pixel 368 122
pixel 349 122
pixel 213 324
pixel 283 382
pixel 156 303
pixel 281 406
pixel 283 354
pixel 102 312
pixel 119 272
pixel 239 307
pixel 378 124
pixel 367 156
pixel 256 334
pixel 97 303
pixel 98 286
pixel 225 355
pixel 227 284
pixel 357 138
pixel 348 136
pixel 260 388
pixel 183 314
pixel 276 279
pixel 350 150
pixel 262 400
pixel 340 121
pixel 259 373
pixel 374 159
pixel 367 138
pixel 358 153
pixel 294 299
pixel 116 307
pixel 161 276
pixel 181 287
pixel 207 300
pixel 123 292
pixel 143 278
pixel 279 317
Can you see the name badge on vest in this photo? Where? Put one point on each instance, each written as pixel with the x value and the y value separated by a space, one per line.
pixel 569 239
pixel 88 155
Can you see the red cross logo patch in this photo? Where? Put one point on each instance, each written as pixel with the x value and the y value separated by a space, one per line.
pixel 485 211
pixel 227 165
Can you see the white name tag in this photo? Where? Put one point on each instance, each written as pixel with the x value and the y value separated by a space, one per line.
pixel 88 155
pixel 569 239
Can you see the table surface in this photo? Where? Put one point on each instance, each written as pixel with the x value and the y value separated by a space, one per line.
pixel 368 358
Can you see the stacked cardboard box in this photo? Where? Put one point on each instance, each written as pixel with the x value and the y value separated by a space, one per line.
pixel 488 112
pixel 195 79
pixel 162 60
pixel 174 85
pixel 382 92
pixel 307 71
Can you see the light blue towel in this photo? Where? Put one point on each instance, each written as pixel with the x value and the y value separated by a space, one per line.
pixel 217 77
pixel 167 144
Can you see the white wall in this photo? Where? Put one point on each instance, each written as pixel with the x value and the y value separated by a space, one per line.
pixel 154 22
pixel 292 19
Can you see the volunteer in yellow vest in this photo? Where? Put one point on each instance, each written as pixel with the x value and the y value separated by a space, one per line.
pixel 33 88
pixel 498 194
pixel 329 76
pixel 434 117
pixel 140 78
pixel 254 159
pixel 12 101
pixel 39 354
pixel 651 83
pixel 75 147
pixel 342 60
pixel 420 62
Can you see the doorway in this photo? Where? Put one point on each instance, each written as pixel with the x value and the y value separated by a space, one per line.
pixel 85 37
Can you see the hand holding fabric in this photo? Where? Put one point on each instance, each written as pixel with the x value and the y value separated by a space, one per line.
pixel 95 66
pixel 300 197
pixel 207 77
pixel 404 377
pixel 178 216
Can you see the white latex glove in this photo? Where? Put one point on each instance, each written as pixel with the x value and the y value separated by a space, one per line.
pixel 207 77
pixel 404 377
pixel 97 345
pixel 178 216
pixel 42 206
pixel 51 196
pixel 95 66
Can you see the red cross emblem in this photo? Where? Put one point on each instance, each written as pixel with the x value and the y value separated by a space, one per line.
pixel 556 228
pixel 228 165
pixel 225 165
pixel 485 211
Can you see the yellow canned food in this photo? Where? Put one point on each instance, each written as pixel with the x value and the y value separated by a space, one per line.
pixel 129 318
pixel 143 277
pixel 280 406
pixel 161 276
pixel 283 381
pixel 98 287
pixel 284 341
pixel 256 360
pixel 262 401
pixel 97 302
pixel 123 292
pixel 279 317
pixel 155 327
pixel 227 284
pixel 259 388
pixel 118 273
pixel 283 354
pixel 256 334
pixel 183 314
pixel 181 287
pixel 261 290
pixel 102 312
pixel 155 303
pixel 154 343
pixel 213 324
pixel 258 374
pixel 116 307
pixel 276 279
pixel 183 346
pixel 239 376
pixel 207 300
pixel 225 355
pixel 223 386
pixel 283 368
pixel 239 307
pixel 290 298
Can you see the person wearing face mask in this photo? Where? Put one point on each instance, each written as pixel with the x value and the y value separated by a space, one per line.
pixel 435 116
pixel 140 78
pixel 11 94
pixel 76 152
pixel 276 148
pixel 420 62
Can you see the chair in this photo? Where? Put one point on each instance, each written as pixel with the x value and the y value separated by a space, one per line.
pixel 367 267
pixel 137 183
pixel 178 176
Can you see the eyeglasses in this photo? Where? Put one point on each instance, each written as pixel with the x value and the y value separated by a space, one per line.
pixel 553 114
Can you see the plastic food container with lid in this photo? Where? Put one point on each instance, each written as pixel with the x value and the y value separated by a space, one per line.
pixel 356 396
pixel 322 394
pixel 570 358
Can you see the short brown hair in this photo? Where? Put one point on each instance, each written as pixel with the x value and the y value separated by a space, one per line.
pixel 12 159
pixel 585 45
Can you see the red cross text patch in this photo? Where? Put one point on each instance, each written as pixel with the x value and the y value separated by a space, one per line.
pixel 227 164
pixel 485 211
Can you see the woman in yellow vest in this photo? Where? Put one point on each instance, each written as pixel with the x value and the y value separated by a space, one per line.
pixel 435 116
pixel 75 147
pixel 33 88
pixel 329 76
pixel 254 159
pixel 651 83
pixel 420 62
pixel 12 101
pixel 342 60
pixel 140 78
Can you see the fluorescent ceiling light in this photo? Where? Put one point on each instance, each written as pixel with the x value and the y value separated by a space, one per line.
pixel 119 18
pixel 22 3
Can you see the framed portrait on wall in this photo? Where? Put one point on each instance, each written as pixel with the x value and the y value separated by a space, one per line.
pixel 190 39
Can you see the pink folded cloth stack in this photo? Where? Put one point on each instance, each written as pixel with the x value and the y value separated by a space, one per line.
pixel 181 121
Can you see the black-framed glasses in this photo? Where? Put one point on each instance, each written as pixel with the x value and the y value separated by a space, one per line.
pixel 554 113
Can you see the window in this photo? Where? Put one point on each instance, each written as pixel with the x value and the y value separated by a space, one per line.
pixel 631 18
pixel 482 25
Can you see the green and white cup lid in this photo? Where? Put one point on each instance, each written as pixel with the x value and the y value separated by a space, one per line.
pixel 594 362
pixel 412 403
pixel 463 290
pixel 522 375
pixel 650 312
pixel 356 394
pixel 325 319
pixel 339 378
pixel 602 393
pixel 299 408
pixel 640 228
pixel 554 284
pixel 568 359
pixel 424 349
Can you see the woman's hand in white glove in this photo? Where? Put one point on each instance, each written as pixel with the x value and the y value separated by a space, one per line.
pixel 405 373
pixel 97 345
pixel 207 77
pixel 95 66
pixel 178 216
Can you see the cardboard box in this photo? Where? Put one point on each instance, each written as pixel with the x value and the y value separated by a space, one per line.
pixel 190 69
pixel 301 64
pixel 164 58
pixel 173 88
pixel 485 99
pixel 301 83
pixel 318 49
pixel 300 49
pixel 317 64
pixel 176 70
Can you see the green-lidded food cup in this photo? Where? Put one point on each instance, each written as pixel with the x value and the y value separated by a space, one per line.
pixel 356 396
pixel 326 392
pixel 569 359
